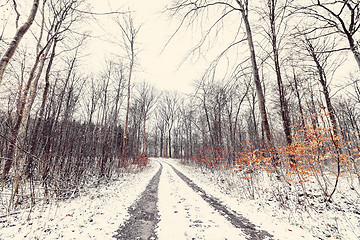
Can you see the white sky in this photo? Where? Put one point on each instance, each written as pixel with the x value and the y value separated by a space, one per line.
pixel 161 69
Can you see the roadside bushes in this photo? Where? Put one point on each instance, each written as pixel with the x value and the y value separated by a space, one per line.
pixel 313 155
pixel 141 160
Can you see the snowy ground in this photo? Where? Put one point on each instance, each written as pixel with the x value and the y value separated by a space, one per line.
pixel 340 220
pixel 96 214
pixel 185 215
pixel 183 212
pixel 280 229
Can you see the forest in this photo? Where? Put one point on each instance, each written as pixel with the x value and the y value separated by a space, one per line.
pixel 279 95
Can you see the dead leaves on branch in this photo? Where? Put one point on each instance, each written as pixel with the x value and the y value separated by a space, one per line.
pixel 311 152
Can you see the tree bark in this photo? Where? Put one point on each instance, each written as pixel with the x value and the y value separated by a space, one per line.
pixel 16 40
pixel 129 34
pixel 265 123
pixel 297 93
pixel 354 48
pixel 169 142
pixel 331 112
pixel 19 118
pixel 144 129
pixel 124 150
pixel 283 101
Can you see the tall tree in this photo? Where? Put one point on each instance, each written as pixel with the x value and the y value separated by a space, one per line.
pixel 244 9
pixel 146 99
pixel 193 10
pixel 129 33
pixel 276 13
pixel 17 39
pixel 320 57
pixel 340 17
pixel 169 108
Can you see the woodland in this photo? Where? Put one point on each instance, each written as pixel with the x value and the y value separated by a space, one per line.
pixel 280 96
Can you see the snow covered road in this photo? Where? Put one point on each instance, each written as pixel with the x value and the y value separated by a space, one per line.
pixel 185 212
pixel 143 214
pixel 165 201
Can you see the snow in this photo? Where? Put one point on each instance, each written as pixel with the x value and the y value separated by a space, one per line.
pixel 185 215
pixel 264 211
pixel 96 214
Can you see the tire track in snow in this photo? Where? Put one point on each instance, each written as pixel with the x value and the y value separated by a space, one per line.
pixel 233 217
pixel 184 215
pixel 143 214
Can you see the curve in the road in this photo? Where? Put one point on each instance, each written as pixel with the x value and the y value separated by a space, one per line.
pixel 143 214
pixel 233 217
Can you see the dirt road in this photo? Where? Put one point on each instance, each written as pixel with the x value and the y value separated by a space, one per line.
pixel 173 207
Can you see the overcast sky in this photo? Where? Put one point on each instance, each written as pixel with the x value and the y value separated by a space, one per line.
pixel 162 68
pixel 157 67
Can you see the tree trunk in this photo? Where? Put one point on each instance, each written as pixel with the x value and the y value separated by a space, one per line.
pixel 208 122
pixel 16 40
pixel 335 126
pixel 354 49
pixel 297 93
pixel 124 150
pixel 22 111
pixel 170 143
pixel 161 143
pixel 283 101
pixel 265 123
pixel 144 142
pixel 26 115
pixel 42 109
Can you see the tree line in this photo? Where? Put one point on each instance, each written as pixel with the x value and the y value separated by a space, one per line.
pixel 272 98
pixel 281 103
pixel 61 124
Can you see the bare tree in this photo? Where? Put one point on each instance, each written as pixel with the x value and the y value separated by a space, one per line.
pixel 233 107
pixel 129 33
pixel 60 12
pixel 146 99
pixel 194 9
pixel 169 106
pixel 275 13
pixel 17 38
pixel 316 50
pixel 339 17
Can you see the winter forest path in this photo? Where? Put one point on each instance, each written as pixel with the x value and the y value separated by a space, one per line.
pixel 173 207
